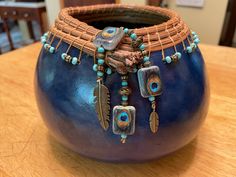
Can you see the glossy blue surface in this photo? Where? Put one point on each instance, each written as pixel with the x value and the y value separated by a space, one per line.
pixel 65 98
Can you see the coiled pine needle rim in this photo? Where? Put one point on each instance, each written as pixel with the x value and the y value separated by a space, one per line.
pixel 171 32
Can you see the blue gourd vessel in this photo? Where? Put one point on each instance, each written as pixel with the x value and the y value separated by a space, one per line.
pixel 65 97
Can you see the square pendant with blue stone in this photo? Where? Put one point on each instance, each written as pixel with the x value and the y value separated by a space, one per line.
pixel 149 81
pixel 123 120
pixel 109 38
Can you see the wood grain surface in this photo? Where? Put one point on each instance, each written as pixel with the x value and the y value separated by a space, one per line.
pixel 27 149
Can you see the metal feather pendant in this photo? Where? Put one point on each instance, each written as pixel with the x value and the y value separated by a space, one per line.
pixel 154 121
pixel 102 104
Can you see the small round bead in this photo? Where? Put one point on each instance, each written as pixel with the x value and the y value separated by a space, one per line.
pixel 194 33
pixel 197 41
pixel 45 34
pixel 101 50
pixel 42 37
pixel 144 52
pixel 124 83
pixel 74 60
pixel 124 98
pixel 100 55
pixel 195 36
pixel 100 74
pixel 147 63
pixel 123 136
pixel 43 41
pixel 126 30
pixel 95 67
pixel 178 54
pixel 101 61
pixel 168 59
pixel 133 36
pixel 108 71
pixel 51 49
pixel 135 70
pixel 189 49
pixel 193 45
pixel 151 98
pixel 63 56
pixel 146 58
pixel 46 46
pixel 142 47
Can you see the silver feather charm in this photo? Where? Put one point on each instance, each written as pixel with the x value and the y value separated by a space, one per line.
pixel 102 104
pixel 154 121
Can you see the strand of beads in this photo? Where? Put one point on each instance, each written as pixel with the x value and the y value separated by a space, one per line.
pixel 148 77
pixel 124 92
pixel 194 44
pixel 69 58
pixel 99 67
pixel 173 58
pixel 47 46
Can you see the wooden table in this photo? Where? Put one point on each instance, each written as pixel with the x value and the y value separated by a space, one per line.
pixel 27 11
pixel 27 149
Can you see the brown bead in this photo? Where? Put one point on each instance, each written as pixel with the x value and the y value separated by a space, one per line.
pixel 144 52
pixel 139 40
pixel 174 58
pixel 124 77
pixel 125 91
pixel 124 103
pixel 68 58
pixel 100 55
pixel 147 63
pixel 101 68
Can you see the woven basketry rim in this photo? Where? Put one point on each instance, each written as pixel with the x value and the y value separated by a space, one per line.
pixel 156 37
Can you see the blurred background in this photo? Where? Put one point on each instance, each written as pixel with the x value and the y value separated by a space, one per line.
pixel 22 22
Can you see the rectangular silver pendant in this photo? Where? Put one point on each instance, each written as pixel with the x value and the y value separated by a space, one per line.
pixel 149 81
pixel 123 120
pixel 109 38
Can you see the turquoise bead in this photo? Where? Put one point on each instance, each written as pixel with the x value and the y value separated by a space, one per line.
pixel 195 37
pixel 197 41
pixel 123 136
pixel 95 67
pixel 189 49
pixel 124 98
pixel 142 47
pixel 146 58
pixel 133 36
pixel 74 60
pixel 45 34
pixel 151 98
pixel 63 56
pixel 168 59
pixel 46 46
pixel 43 41
pixel 101 50
pixel 178 54
pixel 100 74
pixel 126 30
pixel 101 61
pixel 124 83
pixel 193 45
pixel 194 33
pixel 108 71
pixel 43 37
pixel 135 70
pixel 51 49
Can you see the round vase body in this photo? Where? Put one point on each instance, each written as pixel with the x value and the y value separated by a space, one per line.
pixel 65 98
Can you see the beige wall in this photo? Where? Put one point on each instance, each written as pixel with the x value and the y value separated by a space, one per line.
pixel 206 21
